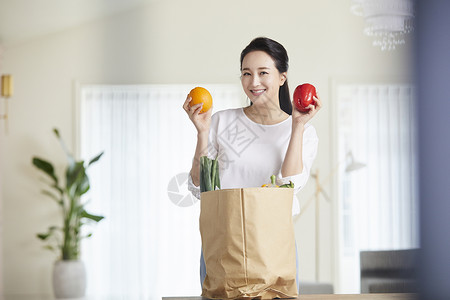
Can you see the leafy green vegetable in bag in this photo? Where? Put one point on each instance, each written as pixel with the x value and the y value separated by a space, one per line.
pixel 209 174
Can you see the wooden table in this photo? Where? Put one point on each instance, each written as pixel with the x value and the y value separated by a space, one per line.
pixel 331 297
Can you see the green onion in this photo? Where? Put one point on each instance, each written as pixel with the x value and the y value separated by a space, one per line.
pixel 209 174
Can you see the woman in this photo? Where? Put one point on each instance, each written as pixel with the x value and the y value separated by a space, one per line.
pixel 267 137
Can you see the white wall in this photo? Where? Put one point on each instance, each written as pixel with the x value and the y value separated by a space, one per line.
pixel 173 41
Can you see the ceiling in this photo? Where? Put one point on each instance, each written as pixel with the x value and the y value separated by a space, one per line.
pixel 21 20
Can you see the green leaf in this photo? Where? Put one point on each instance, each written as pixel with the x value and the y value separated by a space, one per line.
pixel 43 236
pixel 84 185
pixel 85 214
pixel 95 159
pixel 45 167
pixel 49 247
pixel 77 179
pixel 202 180
pixel 205 174
pixel 53 228
pixel 217 179
pixel 56 131
pixel 213 174
pixel 53 196
pixel 69 155
pixel 60 190
pixel 73 173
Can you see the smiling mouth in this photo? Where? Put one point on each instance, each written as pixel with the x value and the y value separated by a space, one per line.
pixel 257 92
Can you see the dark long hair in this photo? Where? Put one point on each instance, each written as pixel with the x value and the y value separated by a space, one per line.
pixel 281 59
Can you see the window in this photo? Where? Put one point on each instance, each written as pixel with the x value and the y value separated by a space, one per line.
pixel 148 245
pixel 378 204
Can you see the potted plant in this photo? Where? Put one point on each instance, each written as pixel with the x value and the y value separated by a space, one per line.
pixel 69 275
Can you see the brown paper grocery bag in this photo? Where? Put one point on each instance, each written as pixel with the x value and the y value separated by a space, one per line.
pixel 248 243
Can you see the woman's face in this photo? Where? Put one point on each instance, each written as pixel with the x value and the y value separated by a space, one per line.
pixel 260 79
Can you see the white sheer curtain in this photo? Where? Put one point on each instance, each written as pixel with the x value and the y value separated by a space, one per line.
pixel 148 246
pixel 1 233
pixel 378 204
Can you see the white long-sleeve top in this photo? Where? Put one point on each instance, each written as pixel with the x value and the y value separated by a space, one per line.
pixel 249 153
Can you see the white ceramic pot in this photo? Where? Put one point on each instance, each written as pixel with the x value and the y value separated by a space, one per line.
pixel 69 279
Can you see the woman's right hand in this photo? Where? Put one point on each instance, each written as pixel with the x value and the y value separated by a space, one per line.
pixel 201 121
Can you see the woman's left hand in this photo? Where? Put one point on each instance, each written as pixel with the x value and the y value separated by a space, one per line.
pixel 301 118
